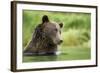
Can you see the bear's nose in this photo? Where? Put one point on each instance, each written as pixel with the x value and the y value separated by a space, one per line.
pixel 60 41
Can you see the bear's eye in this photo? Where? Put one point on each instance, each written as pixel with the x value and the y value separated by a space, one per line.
pixel 56 29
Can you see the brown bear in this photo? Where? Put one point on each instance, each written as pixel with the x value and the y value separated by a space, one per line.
pixel 45 39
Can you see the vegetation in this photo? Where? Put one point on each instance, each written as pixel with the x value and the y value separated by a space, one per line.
pixel 75 34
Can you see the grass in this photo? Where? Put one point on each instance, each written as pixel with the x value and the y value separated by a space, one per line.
pixel 75 34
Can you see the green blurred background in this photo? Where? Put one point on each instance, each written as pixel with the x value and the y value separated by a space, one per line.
pixel 75 34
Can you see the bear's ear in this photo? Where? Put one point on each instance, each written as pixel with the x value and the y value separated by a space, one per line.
pixel 45 19
pixel 61 25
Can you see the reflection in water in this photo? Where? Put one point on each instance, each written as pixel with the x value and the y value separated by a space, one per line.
pixel 45 58
pixel 67 54
pixel 39 58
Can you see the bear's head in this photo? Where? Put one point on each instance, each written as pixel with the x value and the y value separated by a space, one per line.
pixel 52 30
